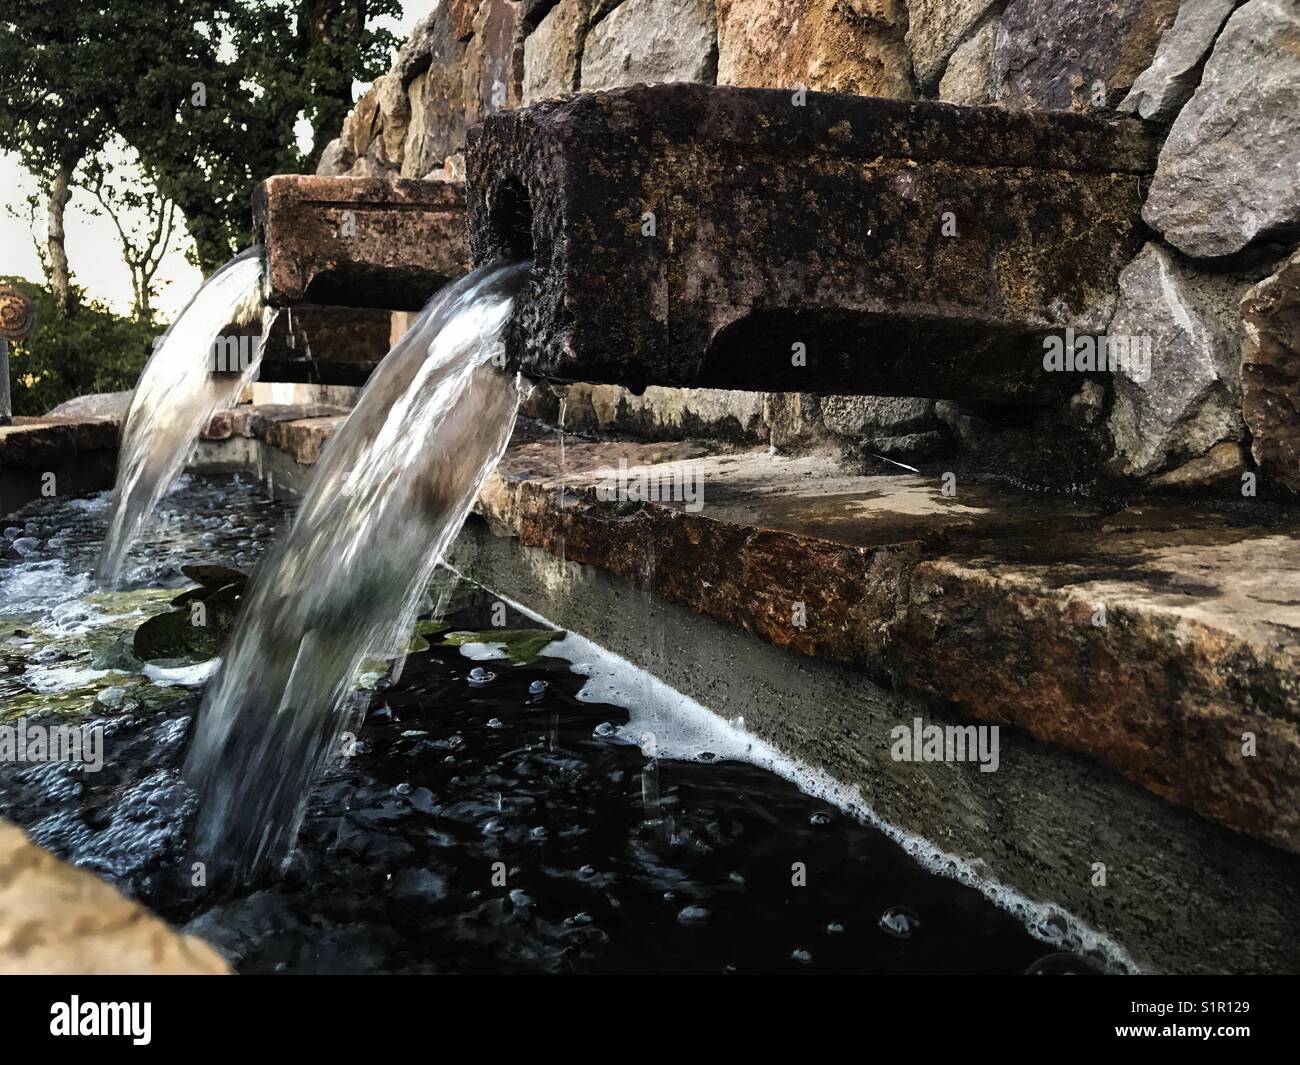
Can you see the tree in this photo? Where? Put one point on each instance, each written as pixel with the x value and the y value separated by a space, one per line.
pixel 57 91
pixel 145 220
pixel 209 92
pixel 212 129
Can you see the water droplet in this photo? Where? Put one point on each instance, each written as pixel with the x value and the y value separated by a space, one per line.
pixel 1062 964
pixel 900 922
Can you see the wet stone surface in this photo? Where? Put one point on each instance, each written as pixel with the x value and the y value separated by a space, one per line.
pixel 610 861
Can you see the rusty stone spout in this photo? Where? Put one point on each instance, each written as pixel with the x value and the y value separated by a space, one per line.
pixel 340 254
pixel 693 235
pixel 359 242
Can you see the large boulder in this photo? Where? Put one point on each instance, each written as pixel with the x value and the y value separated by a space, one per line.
pixel 431 68
pixel 553 51
pixel 1230 169
pixel 1168 83
pixel 1190 399
pixel 855 46
pixel 1078 55
pixel 935 28
pixel 651 41
pixel 1270 373
pixel 966 79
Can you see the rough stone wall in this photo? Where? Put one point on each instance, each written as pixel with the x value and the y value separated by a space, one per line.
pixel 1220 77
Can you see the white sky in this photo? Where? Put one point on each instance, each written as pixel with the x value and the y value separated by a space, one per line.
pixel 94 252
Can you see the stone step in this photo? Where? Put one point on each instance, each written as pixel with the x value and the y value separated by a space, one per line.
pixel 1158 640
pixel 701 236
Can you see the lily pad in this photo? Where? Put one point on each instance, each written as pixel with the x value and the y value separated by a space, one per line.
pixel 522 646
pixel 173 634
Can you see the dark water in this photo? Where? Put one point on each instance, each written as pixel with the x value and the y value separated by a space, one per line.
pixel 610 862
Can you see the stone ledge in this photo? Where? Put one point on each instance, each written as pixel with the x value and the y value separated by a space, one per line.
pixel 39 442
pixel 984 602
pixel 56 919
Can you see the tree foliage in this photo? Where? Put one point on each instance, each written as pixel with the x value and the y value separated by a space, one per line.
pixel 209 92
pixel 94 350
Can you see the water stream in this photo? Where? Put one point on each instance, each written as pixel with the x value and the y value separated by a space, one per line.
pixel 177 394
pixel 390 492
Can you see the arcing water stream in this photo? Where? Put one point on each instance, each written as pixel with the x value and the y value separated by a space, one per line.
pixel 176 395
pixel 389 494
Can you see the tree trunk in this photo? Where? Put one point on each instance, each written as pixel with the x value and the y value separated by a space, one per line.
pixel 60 278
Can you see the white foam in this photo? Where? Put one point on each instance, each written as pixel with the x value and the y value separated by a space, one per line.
pixel 61 678
pixel 182 676
pixel 670 724
pixel 483 652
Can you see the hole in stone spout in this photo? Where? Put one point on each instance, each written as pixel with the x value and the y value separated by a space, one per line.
pixel 511 216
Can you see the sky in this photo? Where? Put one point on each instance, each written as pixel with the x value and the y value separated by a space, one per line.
pixel 94 252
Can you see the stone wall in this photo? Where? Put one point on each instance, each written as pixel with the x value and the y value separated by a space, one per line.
pixel 1220 77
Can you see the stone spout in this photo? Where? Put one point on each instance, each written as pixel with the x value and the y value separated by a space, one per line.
pixel 690 235
pixel 359 242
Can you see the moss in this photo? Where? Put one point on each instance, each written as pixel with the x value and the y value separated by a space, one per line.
pixel 522 646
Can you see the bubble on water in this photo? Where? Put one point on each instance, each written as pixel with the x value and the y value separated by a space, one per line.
pixel 819 819
pixel 538 833
pixel 27 546
pixel 801 955
pixel 578 920
pixel 834 928
pixel 605 730
pixel 537 687
pixel 496 723
pixel 111 696
pixel 479 676
pixel 402 789
pixel 1063 963
pixel 520 899
pixel 900 922
pixel 412 733
pixel 12 532
pixel 693 915
pixel 48 653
